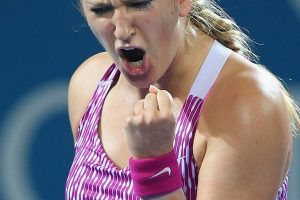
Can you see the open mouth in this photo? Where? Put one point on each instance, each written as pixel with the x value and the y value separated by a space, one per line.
pixel 134 60
pixel 134 56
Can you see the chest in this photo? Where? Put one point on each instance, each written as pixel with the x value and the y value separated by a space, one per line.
pixel 114 113
pixel 115 110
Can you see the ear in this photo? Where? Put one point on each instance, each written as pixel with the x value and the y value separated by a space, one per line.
pixel 184 7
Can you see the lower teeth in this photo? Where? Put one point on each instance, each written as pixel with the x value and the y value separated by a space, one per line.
pixel 136 64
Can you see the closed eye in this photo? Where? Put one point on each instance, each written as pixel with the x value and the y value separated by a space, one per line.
pixel 101 10
pixel 140 5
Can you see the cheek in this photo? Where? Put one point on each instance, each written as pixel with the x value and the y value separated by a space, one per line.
pixel 158 28
pixel 166 32
pixel 164 38
pixel 102 30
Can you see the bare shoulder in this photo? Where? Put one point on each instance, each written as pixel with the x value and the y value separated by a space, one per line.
pixel 248 94
pixel 248 133
pixel 83 84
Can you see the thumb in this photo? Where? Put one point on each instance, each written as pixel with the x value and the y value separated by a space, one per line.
pixel 153 89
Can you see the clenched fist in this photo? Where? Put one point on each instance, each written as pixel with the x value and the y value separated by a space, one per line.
pixel 151 126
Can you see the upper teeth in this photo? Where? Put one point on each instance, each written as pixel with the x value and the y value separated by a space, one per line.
pixel 129 48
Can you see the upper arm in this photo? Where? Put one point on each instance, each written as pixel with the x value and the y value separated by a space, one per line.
pixel 82 86
pixel 248 140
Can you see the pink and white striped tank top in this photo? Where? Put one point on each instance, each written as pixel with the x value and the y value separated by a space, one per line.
pixel 93 176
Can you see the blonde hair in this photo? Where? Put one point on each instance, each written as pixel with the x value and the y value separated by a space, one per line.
pixel 207 16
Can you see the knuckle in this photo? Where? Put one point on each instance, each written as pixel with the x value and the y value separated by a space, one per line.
pixel 139 120
pixel 129 121
pixel 166 116
pixel 163 115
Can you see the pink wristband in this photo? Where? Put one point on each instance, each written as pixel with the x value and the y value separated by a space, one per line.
pixel 154 176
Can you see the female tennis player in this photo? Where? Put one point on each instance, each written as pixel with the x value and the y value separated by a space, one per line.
pixel 177 107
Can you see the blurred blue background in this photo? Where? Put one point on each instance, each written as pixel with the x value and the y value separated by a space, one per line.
pixel 42 43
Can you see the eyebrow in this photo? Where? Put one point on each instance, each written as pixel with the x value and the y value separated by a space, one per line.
pixel 95 2
pixel 103 3
pixel 127 1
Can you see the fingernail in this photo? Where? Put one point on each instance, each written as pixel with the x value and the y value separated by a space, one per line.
pixel 152 88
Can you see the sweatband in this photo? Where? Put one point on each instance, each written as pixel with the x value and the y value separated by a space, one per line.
pixel 155 176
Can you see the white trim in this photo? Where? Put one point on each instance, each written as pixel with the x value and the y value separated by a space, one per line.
pixel 210 69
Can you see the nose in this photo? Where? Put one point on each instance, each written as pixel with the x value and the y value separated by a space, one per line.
pixel 123 23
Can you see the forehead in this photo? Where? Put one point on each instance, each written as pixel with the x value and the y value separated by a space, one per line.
pixel 108 1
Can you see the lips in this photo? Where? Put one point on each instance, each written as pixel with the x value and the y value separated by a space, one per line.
pixel 136 68
pixel 134 60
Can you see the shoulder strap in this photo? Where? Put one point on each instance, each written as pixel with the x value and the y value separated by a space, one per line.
pixel 210 69
pixel 111 73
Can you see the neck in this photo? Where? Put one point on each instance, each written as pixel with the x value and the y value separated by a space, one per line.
pixel 182 72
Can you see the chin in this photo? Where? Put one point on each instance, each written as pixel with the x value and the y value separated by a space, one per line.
pixel 139 81
pixel 140 84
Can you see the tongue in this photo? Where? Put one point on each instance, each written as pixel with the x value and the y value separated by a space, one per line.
pixel 136 65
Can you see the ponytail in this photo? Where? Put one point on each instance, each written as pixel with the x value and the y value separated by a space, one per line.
pixel 207 16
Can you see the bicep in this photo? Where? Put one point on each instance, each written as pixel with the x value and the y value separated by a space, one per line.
pixel 246 156
pixel 228 173
pixel 240 171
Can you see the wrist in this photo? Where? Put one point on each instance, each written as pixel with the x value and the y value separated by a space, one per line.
pixel 155 176
pixel 151 154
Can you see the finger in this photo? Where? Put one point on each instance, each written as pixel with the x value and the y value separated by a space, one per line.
pixel 129 123
pixel 165 101
pixel 139 107
pixel 150 102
